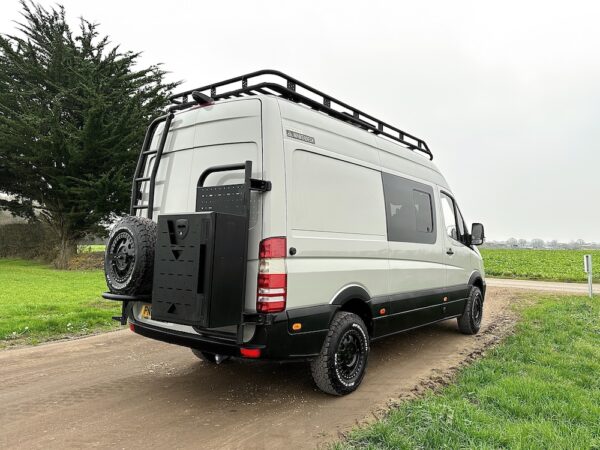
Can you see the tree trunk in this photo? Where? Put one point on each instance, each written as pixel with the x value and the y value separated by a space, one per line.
pixel 67 249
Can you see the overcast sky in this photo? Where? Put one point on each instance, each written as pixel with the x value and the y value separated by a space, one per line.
pixel 506 94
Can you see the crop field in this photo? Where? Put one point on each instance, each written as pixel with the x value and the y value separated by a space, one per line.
pixel 557 265
pixel 38 303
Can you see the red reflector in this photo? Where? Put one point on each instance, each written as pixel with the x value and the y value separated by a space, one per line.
pixel 274 247
pixel 250 352
pixel 132 327
pixel 270 307
pixel 272 280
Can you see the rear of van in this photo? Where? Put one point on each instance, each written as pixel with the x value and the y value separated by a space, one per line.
pixel 225 133
pixel 199 140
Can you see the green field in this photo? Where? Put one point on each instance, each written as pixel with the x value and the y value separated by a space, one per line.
pixel 538 390
pixel 90 248
pixel 38 303
pixel 558 265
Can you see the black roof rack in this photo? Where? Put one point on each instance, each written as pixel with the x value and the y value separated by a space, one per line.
pixel 277 83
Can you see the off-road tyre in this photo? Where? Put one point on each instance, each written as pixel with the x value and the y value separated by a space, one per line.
pixel 470 321
pixel 210 358
pixel 335 371
pixel 129 256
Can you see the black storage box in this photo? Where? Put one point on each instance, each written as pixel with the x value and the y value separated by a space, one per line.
pixel 200 269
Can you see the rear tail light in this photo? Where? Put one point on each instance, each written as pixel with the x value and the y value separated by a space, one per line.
pixel 271 289
pixel 272 248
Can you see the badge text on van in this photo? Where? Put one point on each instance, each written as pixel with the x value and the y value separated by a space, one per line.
pixel 300 136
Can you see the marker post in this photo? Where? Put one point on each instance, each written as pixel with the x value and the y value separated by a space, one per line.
pixel 587 267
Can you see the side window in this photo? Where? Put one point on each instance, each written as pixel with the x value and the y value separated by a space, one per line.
pixel 410 211
pixel 449 216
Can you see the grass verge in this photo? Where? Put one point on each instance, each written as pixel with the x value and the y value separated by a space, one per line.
pixel 91 248
pixel 38 303
pixel 539 389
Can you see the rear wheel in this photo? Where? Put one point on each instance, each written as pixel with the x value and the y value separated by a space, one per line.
pixel 211 358
pixel 470 321
pixel 340 367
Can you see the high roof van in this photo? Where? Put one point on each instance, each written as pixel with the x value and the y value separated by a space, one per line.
pixel 271 221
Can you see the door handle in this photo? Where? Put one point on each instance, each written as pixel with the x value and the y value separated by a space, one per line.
pixel 450 252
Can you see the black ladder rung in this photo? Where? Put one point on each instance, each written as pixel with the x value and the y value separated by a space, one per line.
pixel 139 180
pixel 150 152
pixel 140 207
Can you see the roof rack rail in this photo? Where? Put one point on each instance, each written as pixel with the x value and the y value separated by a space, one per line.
pixel 247 85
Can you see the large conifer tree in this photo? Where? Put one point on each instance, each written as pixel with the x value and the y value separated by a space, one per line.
pixel 73 112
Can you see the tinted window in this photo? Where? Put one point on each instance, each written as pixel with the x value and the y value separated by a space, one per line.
pixel 409 210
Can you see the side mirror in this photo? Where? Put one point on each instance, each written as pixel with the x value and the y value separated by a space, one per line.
pixel 477 234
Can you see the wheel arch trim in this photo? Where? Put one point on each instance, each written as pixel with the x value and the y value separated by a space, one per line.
pixel 350 292
pixel 474 278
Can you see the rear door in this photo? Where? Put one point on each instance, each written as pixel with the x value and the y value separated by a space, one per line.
pixel 224 133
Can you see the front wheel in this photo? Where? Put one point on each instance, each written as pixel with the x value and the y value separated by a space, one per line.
pixel 470 321
pixel 340 367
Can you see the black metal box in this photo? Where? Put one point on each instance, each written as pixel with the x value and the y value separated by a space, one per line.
pixel 200 269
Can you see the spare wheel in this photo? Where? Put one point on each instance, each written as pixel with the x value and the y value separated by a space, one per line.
pixel 129 257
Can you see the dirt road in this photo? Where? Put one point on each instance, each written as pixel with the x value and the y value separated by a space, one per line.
pixel 120 390
pixel 549 286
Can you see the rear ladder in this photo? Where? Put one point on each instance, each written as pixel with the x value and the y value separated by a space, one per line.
pixel 140 170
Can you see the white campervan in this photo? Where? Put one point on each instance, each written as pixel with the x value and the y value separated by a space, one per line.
pixel 270 220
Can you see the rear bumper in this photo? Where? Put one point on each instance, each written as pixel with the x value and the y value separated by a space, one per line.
pixel 273 336
pixel 199 342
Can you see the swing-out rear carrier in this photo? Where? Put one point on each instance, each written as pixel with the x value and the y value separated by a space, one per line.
pixel 200 262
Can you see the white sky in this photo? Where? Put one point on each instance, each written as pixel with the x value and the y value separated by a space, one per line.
pixel 506 94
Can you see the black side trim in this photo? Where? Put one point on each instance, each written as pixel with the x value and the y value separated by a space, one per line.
pixel 315 320
pixel 278 340
pixel 410 310
pixel 409 301
pixel 412 328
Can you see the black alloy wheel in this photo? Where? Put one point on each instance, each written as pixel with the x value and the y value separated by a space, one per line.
pixel 121 256
pixel 350 355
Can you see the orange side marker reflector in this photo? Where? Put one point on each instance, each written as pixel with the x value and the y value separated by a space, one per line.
pixel 132 327
pixel 382 311
pixel 297 326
